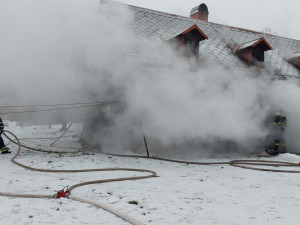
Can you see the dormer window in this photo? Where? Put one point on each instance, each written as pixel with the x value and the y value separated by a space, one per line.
pixel 252 52
pixel 294 59
pixel 188 41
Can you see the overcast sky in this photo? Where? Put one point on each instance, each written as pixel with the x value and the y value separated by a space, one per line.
pixel 282 17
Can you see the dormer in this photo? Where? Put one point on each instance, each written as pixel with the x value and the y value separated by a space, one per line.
pixel 188 41
pixel 295 59
pixel 252 52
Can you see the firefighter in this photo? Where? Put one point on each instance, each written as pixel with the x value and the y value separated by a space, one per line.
pixel 3 148
pixel 277 128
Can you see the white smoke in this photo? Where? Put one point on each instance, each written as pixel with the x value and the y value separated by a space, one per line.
pixel 284 95
pixel 62 51
pixel 51 50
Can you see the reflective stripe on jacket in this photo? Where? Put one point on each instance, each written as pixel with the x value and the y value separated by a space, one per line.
pixel 1 124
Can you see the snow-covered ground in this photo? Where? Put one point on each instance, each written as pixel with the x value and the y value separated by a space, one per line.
pixel 181 194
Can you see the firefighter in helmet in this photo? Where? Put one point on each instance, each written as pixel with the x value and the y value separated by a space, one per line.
pixel 276 137
pixel 3 148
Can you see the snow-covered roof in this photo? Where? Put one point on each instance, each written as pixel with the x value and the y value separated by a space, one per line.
pixel 254 43
pixel 154 25
pixel 295 55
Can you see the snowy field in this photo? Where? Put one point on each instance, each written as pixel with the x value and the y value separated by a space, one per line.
pixel 181 194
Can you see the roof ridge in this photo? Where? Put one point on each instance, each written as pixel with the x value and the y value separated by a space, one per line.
pixel 222 25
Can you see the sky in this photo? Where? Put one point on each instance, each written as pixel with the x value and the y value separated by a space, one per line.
pixel 282 18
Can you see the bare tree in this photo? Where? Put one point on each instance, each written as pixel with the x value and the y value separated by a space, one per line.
pixel 268 30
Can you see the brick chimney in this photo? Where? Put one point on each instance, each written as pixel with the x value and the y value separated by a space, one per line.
pixel 200 13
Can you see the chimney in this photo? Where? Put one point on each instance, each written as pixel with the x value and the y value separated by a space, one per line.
pixel 200 13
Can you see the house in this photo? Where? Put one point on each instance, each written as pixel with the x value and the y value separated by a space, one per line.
pixel 213 43
pixel 204 43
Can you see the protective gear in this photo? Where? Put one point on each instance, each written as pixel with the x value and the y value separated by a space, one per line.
pixel 3 149
pixel 279 120
pixel 276 135
pixel 1 125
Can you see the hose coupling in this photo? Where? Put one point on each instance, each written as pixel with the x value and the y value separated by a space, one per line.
pixel 64 193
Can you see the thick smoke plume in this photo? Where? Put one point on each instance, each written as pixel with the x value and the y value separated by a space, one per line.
pixel 82 51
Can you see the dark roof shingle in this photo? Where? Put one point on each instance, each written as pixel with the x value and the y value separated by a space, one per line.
pixel 154 25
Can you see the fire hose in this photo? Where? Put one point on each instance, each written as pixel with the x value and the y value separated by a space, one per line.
pixel 246 164
pixel 67 193
pixel 236 163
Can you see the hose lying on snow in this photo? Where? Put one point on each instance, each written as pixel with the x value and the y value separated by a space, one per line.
pixel 108 208
pixel 236 163
pixel 105 207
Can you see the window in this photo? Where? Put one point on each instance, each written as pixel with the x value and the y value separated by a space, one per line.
pixel 253 51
